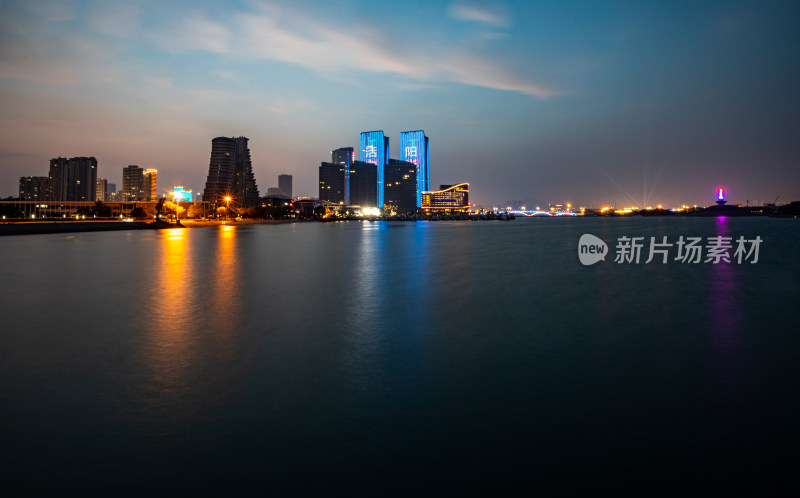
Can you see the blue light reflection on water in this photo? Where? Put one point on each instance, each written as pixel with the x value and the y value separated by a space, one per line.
pixel 360 352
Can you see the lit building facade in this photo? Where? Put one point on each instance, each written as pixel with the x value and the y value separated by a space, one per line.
pixel 101 190
pixel 449 198
pixel 73 179
pixel 363 184
pixel 230 173
pixel 375 150
pixel 34 188
pixel 151 184
pixel 414 148
pixel 400 186
pixel 133 183
pixel 343 155
pixel 181 195
pixel 332 182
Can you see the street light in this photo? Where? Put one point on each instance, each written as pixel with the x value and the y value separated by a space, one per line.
pixel 177 206
pixel 228 205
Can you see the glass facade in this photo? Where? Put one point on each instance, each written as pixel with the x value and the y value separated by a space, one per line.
pixel 363 178
pixel 400 187
pixel 414 149
pixel 332 182
pixel 344 156
pixel 375 150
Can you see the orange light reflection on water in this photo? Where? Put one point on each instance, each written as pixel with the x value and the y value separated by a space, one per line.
pixel 226 281
pixel 168 338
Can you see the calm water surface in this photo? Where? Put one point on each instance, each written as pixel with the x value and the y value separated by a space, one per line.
pixel 386 357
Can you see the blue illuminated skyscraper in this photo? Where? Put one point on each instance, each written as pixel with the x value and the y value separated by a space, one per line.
pixel 375 150
pixel 414 149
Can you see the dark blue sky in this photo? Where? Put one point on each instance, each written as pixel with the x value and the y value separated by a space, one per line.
pixel 593 103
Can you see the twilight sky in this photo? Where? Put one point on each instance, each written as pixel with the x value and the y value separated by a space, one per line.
pixel 584 102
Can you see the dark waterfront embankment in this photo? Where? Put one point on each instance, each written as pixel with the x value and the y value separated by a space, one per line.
pixel 44 227
pixel 68 226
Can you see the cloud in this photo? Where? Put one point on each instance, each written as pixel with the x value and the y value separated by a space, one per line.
pixel 412 87
pixel 196 33
pixel 53 10
pixel 225 74
pixel 160 82
pixel 296 39
pixel 268 33
pixel 48 56
pixel 117 20
pixel 472 13
pixel 283 35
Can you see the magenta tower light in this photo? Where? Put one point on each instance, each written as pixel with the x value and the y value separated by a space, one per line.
pixel 721 195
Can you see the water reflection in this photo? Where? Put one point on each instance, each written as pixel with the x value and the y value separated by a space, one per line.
pixel 190 328
pixel 168 340
pixel 365 317
pixel 225 283
pixel 725 314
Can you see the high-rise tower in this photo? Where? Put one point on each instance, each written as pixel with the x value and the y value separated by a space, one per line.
pixel 151 184
pixel 414 149
pixel 400 187
pixel 285 184
pixel 73 179
pixel 344 156
pixel 375 150
pixel 332 182
pixel 230 172
pixel 101 189
pixel 133 183
pixel 34 188
pixel 363 184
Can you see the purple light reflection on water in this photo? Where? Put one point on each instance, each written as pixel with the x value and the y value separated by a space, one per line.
pixel 725 328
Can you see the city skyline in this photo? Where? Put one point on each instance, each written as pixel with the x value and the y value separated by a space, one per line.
pixel 594 105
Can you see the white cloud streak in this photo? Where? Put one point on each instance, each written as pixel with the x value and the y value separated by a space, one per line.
pixel 472 13
pixel 286 36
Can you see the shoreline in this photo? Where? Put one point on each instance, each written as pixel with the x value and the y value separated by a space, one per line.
pixel 48 227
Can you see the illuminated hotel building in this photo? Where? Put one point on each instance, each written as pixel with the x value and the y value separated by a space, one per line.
pixel 151 184
pixel 332 182
pixel 449 198
pixel 375 150
pixel 230 172
pixel 400 186
pixel 414 149
pixel 363 184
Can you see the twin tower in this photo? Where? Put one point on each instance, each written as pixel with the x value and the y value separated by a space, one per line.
pixel 398 183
